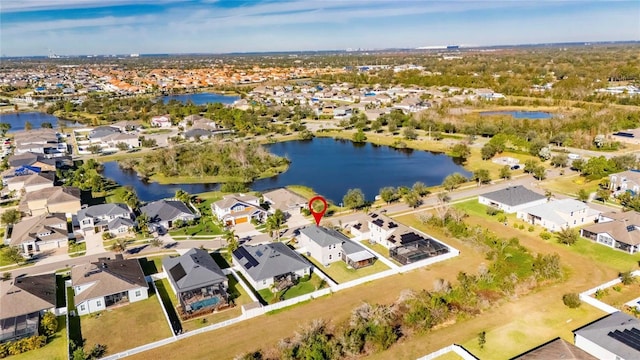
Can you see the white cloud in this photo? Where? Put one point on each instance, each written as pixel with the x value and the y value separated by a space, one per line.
pixel 30 5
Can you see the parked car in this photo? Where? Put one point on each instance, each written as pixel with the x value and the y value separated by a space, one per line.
pixel 515 167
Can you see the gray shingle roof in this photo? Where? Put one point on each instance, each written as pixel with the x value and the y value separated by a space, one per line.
pixel 555 349
pixel 323 236
pixel 165 210
pixel 118 222
pixel 193 270
pixel 513 196
pixel 598 333
pixel 272 259
pixel 101 210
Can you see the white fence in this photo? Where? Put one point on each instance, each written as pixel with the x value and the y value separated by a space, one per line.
pixel 251 313
pixel 586 295
pixel 462 352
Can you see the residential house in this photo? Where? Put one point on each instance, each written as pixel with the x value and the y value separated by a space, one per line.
pixel 114 218
pixel 197 280
pixel 107 283
pixel 559 214
pixel 512 198
pixel 342 112
pixel 162 121
pixel 164 213
pixel 615 336
pixel 30 183
pixel 557 348
pixel 238 208
pixel 270 265
pixel 109 138
pixel 41 141
pixel 40 233
pixel 57 199
pixel 405 244
pixel 126 125
pixel 411 105
pixel 625 181
pixel 487 94
pixel 22 302
pixel 284 200
pixel 328 246
pixel 618 230
pixel 33 160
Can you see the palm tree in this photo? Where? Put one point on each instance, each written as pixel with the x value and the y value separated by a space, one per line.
pixel 274 223
pixel 130 197
pixel 156 242
pixel 232 240
pixel 120 245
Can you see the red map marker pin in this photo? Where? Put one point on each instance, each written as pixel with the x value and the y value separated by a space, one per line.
pixel 317 215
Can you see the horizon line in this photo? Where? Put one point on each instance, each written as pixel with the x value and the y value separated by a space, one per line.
pixel 348 50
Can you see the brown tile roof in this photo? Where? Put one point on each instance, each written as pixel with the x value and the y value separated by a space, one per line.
pixel 555 349
pixel 618 228
pixel 29 229
pixel 108 277
pixel 26 295
pixel 55 195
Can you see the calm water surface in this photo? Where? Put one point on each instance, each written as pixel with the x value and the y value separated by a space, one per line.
pixel 17 120
pixel 537 115
pixel 329 166
pixel 202 98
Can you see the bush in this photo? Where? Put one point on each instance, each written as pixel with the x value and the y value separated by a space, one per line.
pixel 491 211
pixel 545 235
pixel 521 226
pixel 22 345
pixel 107 236
pixel 617 288
pixel 531 228
pixel 502 218
pixel 600 293
pixel 571 300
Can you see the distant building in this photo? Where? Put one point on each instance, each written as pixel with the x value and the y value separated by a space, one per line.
pixel 162 121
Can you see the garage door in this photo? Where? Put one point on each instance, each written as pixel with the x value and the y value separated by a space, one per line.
pixel 242 220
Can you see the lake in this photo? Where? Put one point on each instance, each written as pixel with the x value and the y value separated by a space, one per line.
pixel 202 98
pixel 17 120
pixel 537 115
pixel 330 167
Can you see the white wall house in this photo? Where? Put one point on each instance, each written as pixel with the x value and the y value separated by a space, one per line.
pixel 238 208
pixel 559 214
pixel 322 244
pixel 617 230
pixel 512 198
pixel 106 283
pixel 162 121
pixel 612 337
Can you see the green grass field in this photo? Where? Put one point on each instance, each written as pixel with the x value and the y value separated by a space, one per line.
pixel 128 326
pixel 624 294
pixel 303 287
pixel 340 273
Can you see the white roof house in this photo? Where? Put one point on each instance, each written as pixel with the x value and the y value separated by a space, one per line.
pixel 559 214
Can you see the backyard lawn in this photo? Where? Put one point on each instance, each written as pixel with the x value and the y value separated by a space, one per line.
pixel 56 349
pixel 340 273
pixel 153 265
pixel 303 287
pixel 129 326
pixel 449 356
pixel 624 294
pixel 380 250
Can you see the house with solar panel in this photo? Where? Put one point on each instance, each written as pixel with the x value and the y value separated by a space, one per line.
pixel 618 230
pixel 270 266
pixel 328 246
pixel 405 244
pixel 625 181
pixel 198 282
pixel 615 336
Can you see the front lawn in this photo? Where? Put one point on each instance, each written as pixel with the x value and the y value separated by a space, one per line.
pixel 340 272
pixel 126 327
pixel 205 226
pixel 56 348
pixel 76 247
pixel 570 184
pixel 303 287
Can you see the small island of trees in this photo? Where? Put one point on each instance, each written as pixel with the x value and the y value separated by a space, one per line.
pixel 217 162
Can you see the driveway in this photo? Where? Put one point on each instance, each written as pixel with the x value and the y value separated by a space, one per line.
pixel 94 243
pixel 297 220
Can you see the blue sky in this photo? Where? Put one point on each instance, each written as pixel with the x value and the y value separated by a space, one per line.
pixel 71 27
